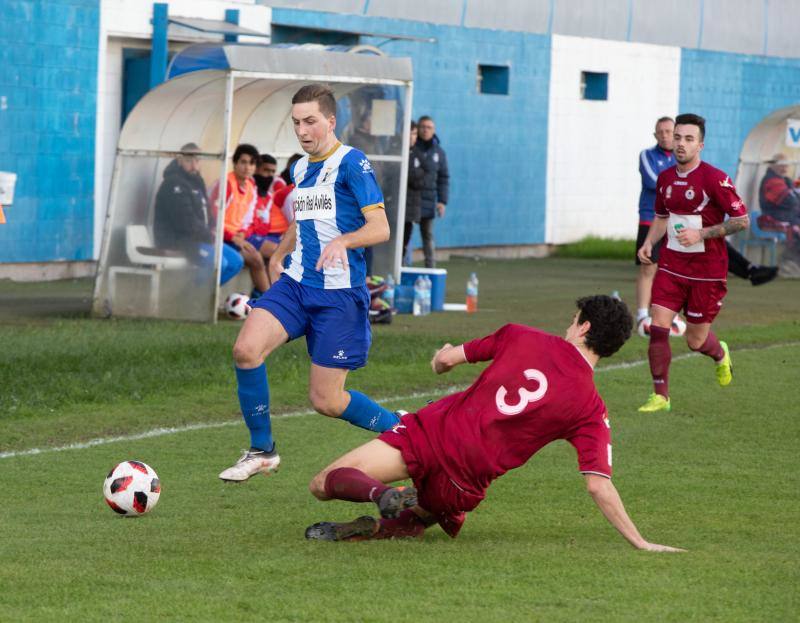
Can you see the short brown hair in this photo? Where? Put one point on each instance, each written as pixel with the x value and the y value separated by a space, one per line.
pixel 692 119
pixel 319 93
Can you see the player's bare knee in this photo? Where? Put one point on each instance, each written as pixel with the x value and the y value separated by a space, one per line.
pixel 594 487
pixel 694 343
pixel 317 486
pixel 246 355
pixel 323 404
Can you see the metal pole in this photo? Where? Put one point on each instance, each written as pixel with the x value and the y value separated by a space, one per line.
pixel 223 185
pixel 102 264
pixel 159 44
pixel 401 197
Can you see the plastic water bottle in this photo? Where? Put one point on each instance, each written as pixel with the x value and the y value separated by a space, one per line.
pixel 426 301
pixel 388 293
pixel 472 293
pixel 419 295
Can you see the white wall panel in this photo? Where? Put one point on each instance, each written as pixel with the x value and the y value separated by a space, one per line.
pixel 593 147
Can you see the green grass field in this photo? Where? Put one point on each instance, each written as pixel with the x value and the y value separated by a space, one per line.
pixel 593 248
pixel 717 476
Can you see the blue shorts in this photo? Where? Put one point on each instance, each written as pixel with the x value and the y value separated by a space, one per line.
pixel 335 322
pixel 258 239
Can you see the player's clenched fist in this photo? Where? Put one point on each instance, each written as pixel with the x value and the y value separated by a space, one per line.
pixel 438 364
pixel 644 252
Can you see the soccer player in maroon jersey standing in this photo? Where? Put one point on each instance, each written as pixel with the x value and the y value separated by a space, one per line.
pixel 692 200
pixel 538 388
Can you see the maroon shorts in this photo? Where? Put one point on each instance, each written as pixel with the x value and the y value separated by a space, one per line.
pixel 700 301
pixel 437 492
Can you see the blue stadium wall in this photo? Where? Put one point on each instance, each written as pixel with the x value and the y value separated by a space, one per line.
pixel 496 144
pixel 48 79
pixel 734 92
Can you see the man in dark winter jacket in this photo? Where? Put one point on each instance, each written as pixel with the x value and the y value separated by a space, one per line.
pixel 436 184
pixel 417 172
pixel 181 215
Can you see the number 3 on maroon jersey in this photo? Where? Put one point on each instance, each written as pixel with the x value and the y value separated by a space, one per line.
pixel 525 396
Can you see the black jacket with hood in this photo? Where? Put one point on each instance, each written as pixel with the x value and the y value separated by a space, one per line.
pixel 181 211
pixel 436 184
pixel 421 174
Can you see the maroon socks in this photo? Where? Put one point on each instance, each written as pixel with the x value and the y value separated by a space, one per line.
pixel 353 485
pixel 660 355
pixel 711 347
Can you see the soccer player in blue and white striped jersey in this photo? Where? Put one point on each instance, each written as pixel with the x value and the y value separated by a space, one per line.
pixel 322 292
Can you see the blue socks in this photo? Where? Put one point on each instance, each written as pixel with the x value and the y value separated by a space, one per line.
pixel 367 414
pixel 254 401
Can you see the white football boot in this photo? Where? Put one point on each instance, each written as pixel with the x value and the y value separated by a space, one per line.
pixel 250 464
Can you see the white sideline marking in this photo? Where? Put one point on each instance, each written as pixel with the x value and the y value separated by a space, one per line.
pixel 159 432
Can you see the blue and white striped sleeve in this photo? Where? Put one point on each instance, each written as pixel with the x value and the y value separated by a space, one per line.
pixel 649 176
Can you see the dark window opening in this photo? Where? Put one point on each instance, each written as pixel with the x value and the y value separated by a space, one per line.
pixel 594 86
pixel 493 79
pixel 135 77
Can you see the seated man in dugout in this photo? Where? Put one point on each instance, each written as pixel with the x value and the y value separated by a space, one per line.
pixel 780 200
pixel 181 220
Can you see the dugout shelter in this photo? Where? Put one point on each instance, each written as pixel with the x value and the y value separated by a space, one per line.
pixel 777 133
pixel 217 96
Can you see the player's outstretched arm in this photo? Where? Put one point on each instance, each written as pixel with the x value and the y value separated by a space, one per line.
pixel 447 358
pixel 607 499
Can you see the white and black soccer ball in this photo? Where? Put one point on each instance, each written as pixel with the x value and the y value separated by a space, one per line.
pixel 678 327
pixel 236 306
pixel 132 488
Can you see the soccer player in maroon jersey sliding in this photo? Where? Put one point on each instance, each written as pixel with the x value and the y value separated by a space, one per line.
pixel 692 200
pixel 538 388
